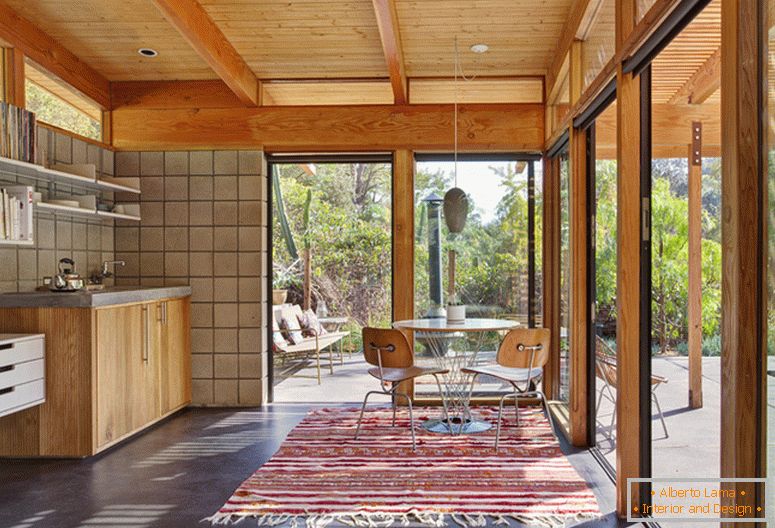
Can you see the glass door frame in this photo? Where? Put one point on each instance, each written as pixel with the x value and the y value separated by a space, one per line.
pixel 284 159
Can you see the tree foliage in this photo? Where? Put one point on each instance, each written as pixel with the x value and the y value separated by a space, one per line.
pixel 52 110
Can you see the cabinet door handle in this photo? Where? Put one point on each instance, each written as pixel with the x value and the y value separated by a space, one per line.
pixel 164 313
pixel 146 334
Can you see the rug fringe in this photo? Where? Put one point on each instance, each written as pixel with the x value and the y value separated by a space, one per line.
pixel 386 520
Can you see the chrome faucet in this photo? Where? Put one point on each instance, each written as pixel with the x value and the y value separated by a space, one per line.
pixel 105 272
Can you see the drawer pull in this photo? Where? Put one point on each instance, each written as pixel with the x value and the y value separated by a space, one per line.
pixel 7 368
pixel 7 390
pixel 6 346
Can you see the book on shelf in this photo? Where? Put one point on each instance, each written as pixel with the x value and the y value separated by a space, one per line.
pixel 17 133
pixel 16 223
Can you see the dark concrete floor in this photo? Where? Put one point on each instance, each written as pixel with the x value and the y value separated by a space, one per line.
pixel 177 473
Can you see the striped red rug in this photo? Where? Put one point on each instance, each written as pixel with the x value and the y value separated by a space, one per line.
pixel 321 474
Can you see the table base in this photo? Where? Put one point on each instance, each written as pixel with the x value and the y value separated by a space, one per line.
pixel 458 426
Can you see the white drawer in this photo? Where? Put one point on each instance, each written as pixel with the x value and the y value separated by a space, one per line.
pixel 21 351
pixel 20 397
pixel 11 375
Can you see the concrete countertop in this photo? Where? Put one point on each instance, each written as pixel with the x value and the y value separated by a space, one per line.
pixel 111 295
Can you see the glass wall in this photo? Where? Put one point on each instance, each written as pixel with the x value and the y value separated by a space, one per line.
pixel 492 271
pixel 600 42
pixel 332 238
pixel 604 208
pixel 564 392
pixel 686 378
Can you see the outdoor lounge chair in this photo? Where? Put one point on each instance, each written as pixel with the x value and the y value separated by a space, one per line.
pixel 310 347
pixel 521 357
pixel 606 369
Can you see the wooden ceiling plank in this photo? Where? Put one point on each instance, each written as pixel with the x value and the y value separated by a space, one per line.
pixel 575 17
pixel 704 83
pixel 51 55
pixel 196 26
pixel 387 22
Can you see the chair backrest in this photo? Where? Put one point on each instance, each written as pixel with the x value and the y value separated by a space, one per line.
pixel 386 347
pixel 605 362
pixel 521 345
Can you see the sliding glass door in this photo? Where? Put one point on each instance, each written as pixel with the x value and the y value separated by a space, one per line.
pixel 491 266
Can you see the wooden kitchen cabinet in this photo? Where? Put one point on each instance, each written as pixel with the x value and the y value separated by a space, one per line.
pixel 175 339
pixel 128 370
pixel 113 371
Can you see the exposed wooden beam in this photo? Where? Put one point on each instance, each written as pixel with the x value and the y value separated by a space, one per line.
pixel 14 74
pixel 569 30
pixel 196 26
pixel 743 257
pixel 41 48
pixel 172 94
pixel 502 127
pixel 387 21
pixel 704 83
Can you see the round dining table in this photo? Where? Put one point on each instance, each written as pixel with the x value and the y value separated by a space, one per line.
pixel 441 337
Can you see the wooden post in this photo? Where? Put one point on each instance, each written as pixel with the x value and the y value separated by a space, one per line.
pixel 694 292
pixel 628 280
pixel 13 77
pixel 306 255
pixel 743 232
pixel 403 241
pixel 579 302
pixel 551 272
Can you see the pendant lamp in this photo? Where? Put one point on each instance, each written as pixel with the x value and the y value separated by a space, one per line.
pixel 456 200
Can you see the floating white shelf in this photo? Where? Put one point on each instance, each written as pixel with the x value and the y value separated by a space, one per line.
pixel 39 172
pixel 118 216
pixel 4 242
pixel 80 211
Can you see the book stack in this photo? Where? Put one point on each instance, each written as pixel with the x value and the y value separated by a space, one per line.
pixel 17 133
pixel 16 213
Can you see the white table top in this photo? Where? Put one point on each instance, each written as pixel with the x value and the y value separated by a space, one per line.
pixel 469 325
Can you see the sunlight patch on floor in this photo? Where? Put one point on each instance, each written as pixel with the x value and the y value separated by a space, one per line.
pixel 128 515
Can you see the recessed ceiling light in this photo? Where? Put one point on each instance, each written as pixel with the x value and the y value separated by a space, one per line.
pixel 480 48
pixel 147 52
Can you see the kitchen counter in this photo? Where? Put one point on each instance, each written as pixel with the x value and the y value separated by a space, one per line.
pixel 111 295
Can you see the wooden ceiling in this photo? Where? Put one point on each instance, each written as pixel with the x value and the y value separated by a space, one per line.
pixel 106 35
pixel 340 52
pixel 307 39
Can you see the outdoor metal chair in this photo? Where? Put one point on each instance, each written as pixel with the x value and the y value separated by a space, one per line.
pixel 520 360
pixel 389 351
pixel 606 369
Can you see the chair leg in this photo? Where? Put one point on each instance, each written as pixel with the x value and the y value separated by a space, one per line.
pixel 331 359
pixel 411 418
pixel 393 401
pixel 498 423
pixel 516 406
pixel 548 412
pixel 659 410
pixel 444 404
pixel 317 363
pixel 360 418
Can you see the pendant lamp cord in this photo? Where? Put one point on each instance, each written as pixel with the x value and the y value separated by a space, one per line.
pixel 458 70
pixel 455 100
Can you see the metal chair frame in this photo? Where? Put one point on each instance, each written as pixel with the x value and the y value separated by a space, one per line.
pixel 393 393
pixel 519 392
pixel 605 360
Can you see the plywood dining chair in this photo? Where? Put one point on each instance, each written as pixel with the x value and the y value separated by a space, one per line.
pixel 392 360
pixel 520 361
